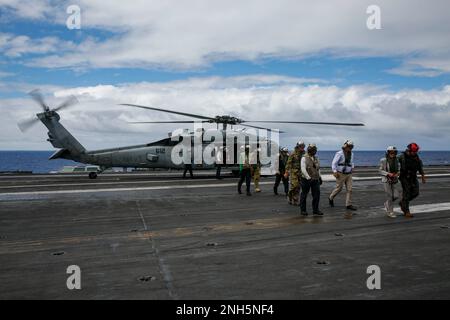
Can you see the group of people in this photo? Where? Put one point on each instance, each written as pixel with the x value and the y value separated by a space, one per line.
pixel 300 173
pixel 403 169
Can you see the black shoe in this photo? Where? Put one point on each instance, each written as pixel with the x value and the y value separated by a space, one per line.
pixel 352 208
pixel 275 191
pixel 304 213
pixel 239 191
pixel 318 213
pixel 248 193
pixel 331 202
pixel 402 207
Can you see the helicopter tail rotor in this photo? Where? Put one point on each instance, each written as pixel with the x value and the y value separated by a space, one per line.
pixel 37 96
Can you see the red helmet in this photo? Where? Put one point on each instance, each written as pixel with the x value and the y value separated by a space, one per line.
pixel 413 147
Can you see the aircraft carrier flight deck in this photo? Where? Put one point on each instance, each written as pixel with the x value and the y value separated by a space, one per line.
pixel 158 236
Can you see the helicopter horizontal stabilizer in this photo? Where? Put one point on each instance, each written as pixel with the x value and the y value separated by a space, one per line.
pixel 60 154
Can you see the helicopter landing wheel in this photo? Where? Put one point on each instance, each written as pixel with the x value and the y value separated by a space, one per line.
pixel 92 175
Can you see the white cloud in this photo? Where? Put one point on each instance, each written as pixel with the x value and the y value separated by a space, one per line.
pixel 36 9
pixel 192 34
pixel 16 46
pixel 5 74
pixel 391 117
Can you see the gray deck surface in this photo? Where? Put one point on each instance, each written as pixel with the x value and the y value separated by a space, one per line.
pixel 199 239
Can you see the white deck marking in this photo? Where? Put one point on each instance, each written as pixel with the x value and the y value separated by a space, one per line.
pixel 94 184
pixel 196 186
pixel 326 178
pixel 432 207
pixel 33 193
pixel 329 177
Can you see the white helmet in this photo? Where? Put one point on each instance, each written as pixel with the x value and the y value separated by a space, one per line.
pixel 300 143
pixel 284 149
pixel 348 143
pixel 391 148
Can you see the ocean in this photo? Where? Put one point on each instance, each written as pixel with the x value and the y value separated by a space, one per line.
pixel 37 161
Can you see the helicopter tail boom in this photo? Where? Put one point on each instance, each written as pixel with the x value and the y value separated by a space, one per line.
pixel 60 138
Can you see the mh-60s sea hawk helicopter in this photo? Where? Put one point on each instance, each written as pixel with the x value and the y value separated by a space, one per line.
pixel 152 155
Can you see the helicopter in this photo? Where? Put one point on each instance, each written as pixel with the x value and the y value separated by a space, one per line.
pixel 157 154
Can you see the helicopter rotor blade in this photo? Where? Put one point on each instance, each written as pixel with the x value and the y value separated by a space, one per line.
pixel 180 121
pixel 27 124
pixel 311 122
pixel 36 95
pixel 256 127
pixel 72 100
pixel 168 111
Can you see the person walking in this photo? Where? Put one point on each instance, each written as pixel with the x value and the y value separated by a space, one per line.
pixel 410 164
pixel 220 158
pixel 188 167
pixel 293 172
pixel 310 180
pixel 282 161
pixel 342 167
pixel 256 166
pixel 245 170
pixel 390 172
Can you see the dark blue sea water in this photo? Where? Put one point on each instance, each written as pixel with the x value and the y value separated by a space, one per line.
pixel 37 161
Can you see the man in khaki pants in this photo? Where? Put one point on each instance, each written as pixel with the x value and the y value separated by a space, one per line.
pixel 342 167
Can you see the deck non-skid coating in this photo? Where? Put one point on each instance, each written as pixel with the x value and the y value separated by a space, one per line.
pixel 168 238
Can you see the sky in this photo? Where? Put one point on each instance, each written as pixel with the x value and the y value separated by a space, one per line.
pixel 257 60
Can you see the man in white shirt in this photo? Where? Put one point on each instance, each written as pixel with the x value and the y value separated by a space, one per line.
pixel 342 167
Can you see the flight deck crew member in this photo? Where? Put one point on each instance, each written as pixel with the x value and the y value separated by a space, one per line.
pixel 410 164
pixel 293 172
pixel 220 158
pixel 188 167
pixel 256 166
pixel 342 167
pixel 390 171
pixel 188 160
pixel 310 180
pixel 245 170
pixel 282 161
